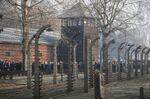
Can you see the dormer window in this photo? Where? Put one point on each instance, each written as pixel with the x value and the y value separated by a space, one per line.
pixel 75 22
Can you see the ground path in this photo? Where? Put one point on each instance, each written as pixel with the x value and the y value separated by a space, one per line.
pixel 115 90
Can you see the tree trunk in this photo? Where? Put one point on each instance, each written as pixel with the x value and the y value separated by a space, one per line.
pixel 105 60
pixel 25 17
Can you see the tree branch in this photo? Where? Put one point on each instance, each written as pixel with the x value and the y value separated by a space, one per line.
pixel 36 4
pixel 13 3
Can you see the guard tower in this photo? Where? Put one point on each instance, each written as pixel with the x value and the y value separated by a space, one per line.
pixel 77 19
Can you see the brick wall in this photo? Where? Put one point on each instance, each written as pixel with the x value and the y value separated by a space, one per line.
pixel 9 51
pixel 12 51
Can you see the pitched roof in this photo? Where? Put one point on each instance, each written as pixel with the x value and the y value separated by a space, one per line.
pixel 78 10
pixel 11 35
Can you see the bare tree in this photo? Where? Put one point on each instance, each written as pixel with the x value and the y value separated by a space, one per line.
pixel 111 16
pixel 30 14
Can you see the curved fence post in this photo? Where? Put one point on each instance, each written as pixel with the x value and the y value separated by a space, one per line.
pixel 119 52
pixel 75 69
pixel 55 65
pixel 91 67
pixel 105 62
pixel 146 61
pixel 71 59
pixel 128 62
pixel 37 74
pixel 132 62
pixel 29 68
pixel 137 50
pixel 142 67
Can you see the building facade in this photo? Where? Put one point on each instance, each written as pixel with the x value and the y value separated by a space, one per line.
pixel 11 46
pixel 13 52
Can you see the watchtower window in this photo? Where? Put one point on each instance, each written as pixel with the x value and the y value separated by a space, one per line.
pixel 64 22
pixel 80 22
pixel 75 22
pixel 69 22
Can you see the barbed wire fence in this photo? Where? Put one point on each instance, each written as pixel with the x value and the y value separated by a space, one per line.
pixel 58 73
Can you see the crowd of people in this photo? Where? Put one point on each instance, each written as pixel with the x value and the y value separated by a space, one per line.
pixel 123 66
pixel 46 68
pixel 9 68
pixel 114 66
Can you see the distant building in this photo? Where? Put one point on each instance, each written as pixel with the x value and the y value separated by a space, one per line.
pixel 77 20
pixel 11 45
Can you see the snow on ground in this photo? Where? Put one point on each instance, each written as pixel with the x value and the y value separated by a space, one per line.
pixel 116 90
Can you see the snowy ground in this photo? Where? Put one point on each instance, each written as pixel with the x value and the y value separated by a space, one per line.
pixel 116 90
pixel 78 94
pixel 128 89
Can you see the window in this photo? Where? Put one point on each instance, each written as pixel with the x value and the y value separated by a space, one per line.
pixel 7 54
pixel 70 22
pixel 75 22
pixel 65 22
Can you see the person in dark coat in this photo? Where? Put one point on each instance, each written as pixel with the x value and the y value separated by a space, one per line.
pixel 1 68
pixel 6 68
